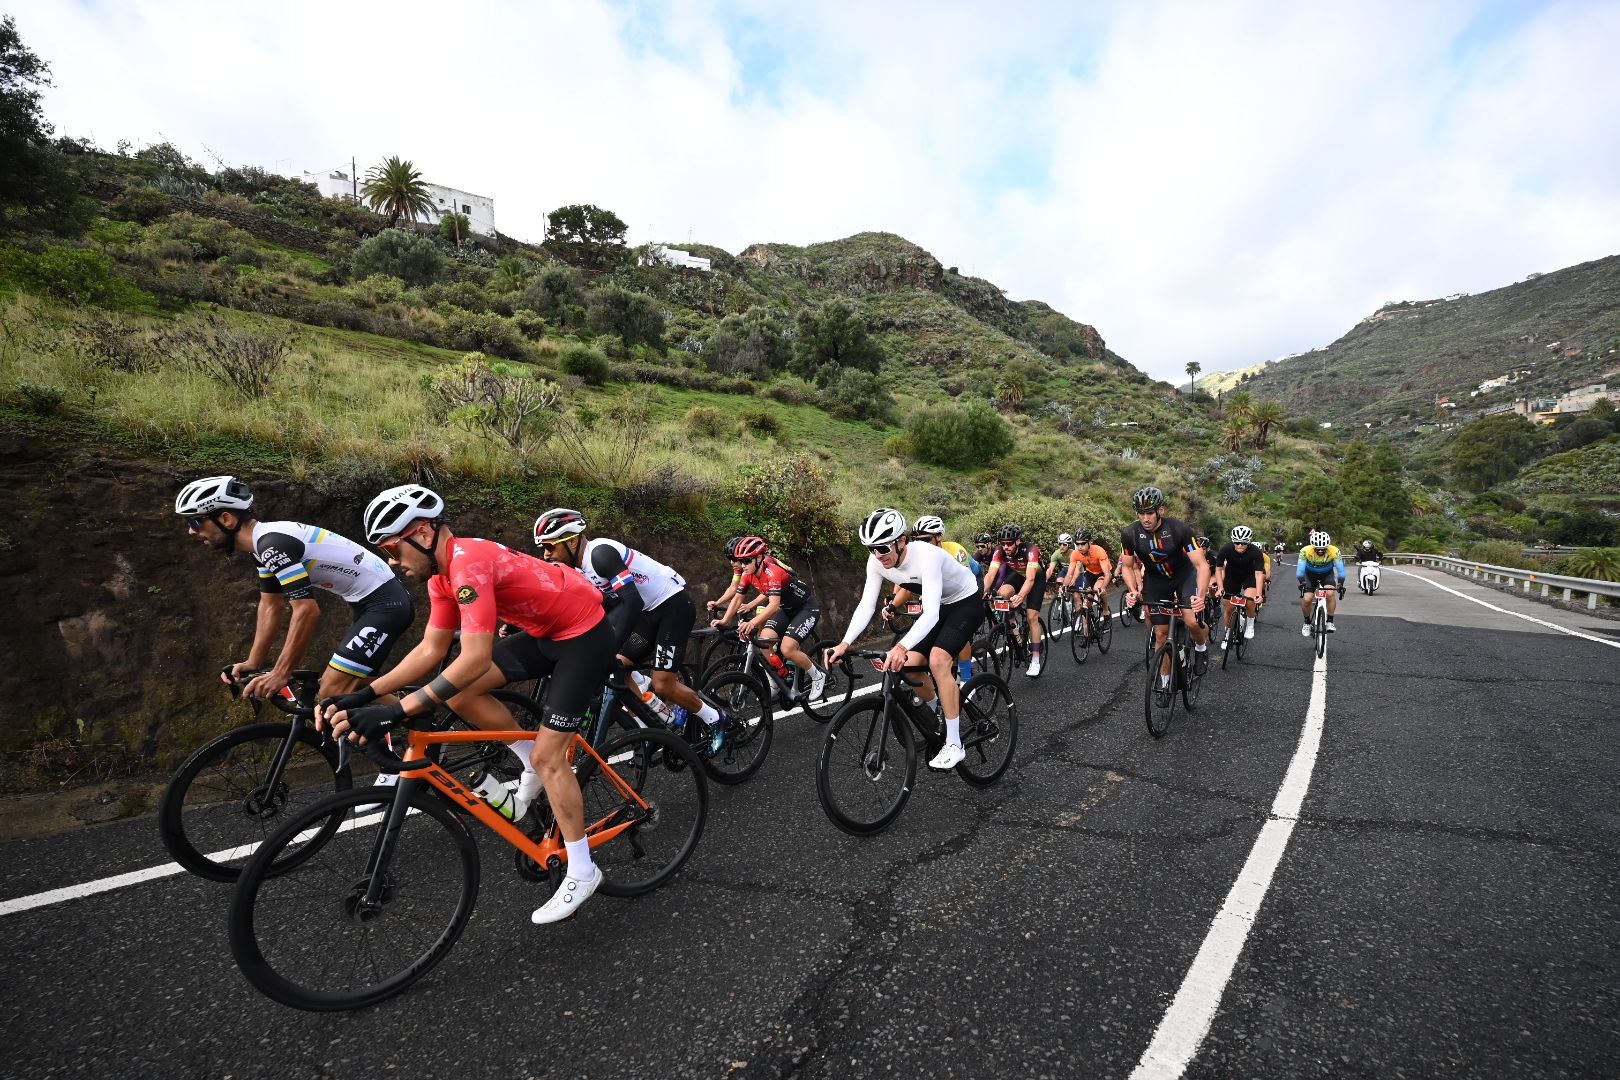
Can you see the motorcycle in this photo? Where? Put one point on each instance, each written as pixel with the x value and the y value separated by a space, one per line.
pixel 1367 579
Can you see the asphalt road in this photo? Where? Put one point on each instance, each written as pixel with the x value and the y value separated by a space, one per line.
pixel 1448 901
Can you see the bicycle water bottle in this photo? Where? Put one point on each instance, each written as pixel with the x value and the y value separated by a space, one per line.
pixel 777 663
pixel 496 794
pixel 677 717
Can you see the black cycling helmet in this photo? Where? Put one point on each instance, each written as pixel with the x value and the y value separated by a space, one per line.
pixel 1148 498
pixel 1012 532
pixel 731 546
pixel 1083 536
pixel 984 538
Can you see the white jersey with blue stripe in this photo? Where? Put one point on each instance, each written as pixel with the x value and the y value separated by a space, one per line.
pixel 299 560
pixel 653 580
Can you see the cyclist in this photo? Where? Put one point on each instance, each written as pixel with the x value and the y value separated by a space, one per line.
pixel 1240 569
pixel 1090 568
pixel 930 529
pixel 1015 571
pixel 731 590
pixel 1160 560
pixel 300 562
pixel 647 605
pixel 1319 566
pixel 951 612
pixel 785 606
pixel 472 585
pixel 1265 577
pixel 1060 558
pixel 984 546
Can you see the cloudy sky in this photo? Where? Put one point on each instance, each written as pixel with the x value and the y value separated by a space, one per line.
pixel 1219 182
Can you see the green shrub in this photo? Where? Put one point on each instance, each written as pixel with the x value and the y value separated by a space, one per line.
pixel 203 237
pixel 411 257
pixel 1599 564
pixel 633 316
pixel 790 503
pixel 585 362
pixel 41 398
pixel 958 436
pixel 557 294
pixel 1497 552
pixel 705 421
pixel 468 332
pixel 755 344
pixel 528 324
pixel 503 401
pixel 858 395
pixel 790 390
pixel 142 204
pixel 76 275
pixel 761 421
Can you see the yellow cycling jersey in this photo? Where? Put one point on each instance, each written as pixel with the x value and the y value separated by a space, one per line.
pixel 1267 557
pixel 956 551
pixel 1319 560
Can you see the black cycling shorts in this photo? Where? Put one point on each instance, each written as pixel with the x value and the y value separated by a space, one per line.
pixel 663 632
pixel 578 667
pixel 1037 591
pixel 1158 589
pixel 955 628
pixel 379 620
pixel 798 624
pixel 1086 579
pixel 1318 579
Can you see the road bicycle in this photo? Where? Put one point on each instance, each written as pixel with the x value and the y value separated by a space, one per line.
pixel 1234 631
pixel 782 684
pixel 1060 614
pixel 1173 658
pixel 1091 626
pixel 231 793
pixel 1319 619
pixel 868 763
pixel 360 895
pixel 1006 646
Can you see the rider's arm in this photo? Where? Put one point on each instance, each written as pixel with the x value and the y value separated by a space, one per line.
pixel 474 660
pixel 1201 563
pixel 1131 570
pixel 306 613
pixel 621 598
pixel 266 627
pixel 992 573
pixel 867 606
pixel 773 604
pixel 1299 566
pixel 417 664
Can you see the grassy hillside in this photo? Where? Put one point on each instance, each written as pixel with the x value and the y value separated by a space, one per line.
pixel 1388 369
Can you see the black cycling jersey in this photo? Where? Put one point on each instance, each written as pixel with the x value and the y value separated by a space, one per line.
pixel 1243 568
pixel 1166 550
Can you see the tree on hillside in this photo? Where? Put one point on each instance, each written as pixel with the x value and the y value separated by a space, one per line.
pixel 454 227
pixel 1265 416
pixel 1603 409
pixel 36 184
pixel 395 188
pixel 1193 368
pixel 1235 431
pixel 634 316
pixel 1492 449
pixel 1012 390
pixel 1237 403
pixel 512 274
pixel 830 338
pixel 586 236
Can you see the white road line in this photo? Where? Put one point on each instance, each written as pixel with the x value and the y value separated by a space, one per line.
pixel 1187 1022
pixel 1505 611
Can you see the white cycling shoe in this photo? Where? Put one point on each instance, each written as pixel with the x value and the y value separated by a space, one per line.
pixel 569 898
pixel 949 757
pixel 1248 630
pixel 1305 631
pixel 818 682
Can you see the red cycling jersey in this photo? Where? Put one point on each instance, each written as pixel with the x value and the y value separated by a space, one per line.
pixel 775 579
pixel 484 582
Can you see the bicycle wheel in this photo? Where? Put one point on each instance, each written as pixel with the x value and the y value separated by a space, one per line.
pixel 868 766
pixel 1102 630
pixel 1080 636
pixel 660 768
pixel 989 730
pixel 997 651
pixel 722 665
pixel 1240 624
pixel 835 692
pixel 1319 629
pixel 1161 701
pixel 749 733
pixel 1229 631
pixel 222 804
pixel 309 939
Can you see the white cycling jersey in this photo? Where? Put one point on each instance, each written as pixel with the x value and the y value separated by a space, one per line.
pixel 925 569
pixel 297 559
pixel 654 581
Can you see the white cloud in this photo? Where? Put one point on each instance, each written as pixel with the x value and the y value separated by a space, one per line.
pixel 1211 182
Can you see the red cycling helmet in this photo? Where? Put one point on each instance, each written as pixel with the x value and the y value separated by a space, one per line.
pixel 749 547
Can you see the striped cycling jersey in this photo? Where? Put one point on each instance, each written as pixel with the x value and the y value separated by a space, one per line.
pixel 298 559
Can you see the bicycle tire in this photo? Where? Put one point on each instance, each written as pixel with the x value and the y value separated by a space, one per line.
pixel 1240 642
pixel 1319 630
pixel 1102 631
pixel 663 770
pixel 835 693
pixel 722 644
pixel 1230 630
pixel 868 744
pixel 732 662
pixel 989 730
pixel 215 811
pixel 749 733
pixel 1160 704
pixel 1080 637
pixel 321 897
pixel 997 650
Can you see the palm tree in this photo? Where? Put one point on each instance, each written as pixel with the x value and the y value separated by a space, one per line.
pixel 1600 564
pixel 1235 430
pixel 1193 368
pixel 1012 391
pixel 1238 403
pixel 512 274
pixel 395 188
pixel 1265 416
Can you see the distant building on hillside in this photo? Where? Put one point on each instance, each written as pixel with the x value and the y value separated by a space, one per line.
pixel 479 209
pixel 680 260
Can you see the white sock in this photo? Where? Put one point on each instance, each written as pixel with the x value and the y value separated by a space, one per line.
pixel 953 730
pixel 524 750
pixel 708 713
pixel 1201 648
pixel 580 865
pixel 529 786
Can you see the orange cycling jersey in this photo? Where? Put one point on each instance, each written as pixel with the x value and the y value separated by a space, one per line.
pixel 1095 561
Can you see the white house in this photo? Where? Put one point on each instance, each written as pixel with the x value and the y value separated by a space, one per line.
pixel 680 260
pixel 479 209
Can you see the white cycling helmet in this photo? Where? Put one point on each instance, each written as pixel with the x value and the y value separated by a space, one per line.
pixel 398 508
pixel 1242 534
pixel 1064 539
pixel 928 525
pixel 1319 539
pixel 558 523
pixel 883 526
pixel 211 494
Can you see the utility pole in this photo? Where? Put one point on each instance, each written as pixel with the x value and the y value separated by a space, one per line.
pixel 354 178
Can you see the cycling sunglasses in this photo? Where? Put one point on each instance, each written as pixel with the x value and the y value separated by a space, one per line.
pixel 880 549
pixel 195 524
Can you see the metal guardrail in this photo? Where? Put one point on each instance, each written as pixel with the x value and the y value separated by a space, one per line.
pixel 1509 575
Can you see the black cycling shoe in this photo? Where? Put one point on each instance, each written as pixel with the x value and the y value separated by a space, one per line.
pixel 1200 662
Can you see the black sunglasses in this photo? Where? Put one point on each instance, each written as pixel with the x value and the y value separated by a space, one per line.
pixel 195 524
